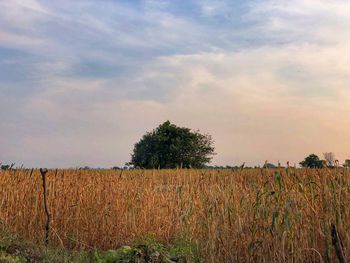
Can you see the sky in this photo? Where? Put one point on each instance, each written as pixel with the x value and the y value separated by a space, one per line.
pixel 82 81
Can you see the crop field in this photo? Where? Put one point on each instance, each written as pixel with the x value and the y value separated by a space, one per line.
pixel 243 215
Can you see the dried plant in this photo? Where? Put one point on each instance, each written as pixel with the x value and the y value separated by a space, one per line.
pixel 233 215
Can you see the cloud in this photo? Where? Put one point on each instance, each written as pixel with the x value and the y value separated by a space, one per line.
pixel 318 22
pixel 81 82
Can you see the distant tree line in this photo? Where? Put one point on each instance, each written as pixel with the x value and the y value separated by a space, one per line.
pixel 5 167
pixel 169 146
pixel 313 161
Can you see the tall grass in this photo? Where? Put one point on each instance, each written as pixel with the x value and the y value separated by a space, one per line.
pixel 231 215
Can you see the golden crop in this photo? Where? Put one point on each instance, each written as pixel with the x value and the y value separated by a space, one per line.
pixel 232 215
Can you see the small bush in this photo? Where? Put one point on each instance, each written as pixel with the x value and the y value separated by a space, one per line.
pixel 148 250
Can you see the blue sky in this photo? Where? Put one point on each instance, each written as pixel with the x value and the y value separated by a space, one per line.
pixel 81 81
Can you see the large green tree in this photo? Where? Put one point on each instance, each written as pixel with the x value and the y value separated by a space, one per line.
pixel 312 161
pixel 170 146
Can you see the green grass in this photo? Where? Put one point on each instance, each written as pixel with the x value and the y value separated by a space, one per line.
pixel 14 249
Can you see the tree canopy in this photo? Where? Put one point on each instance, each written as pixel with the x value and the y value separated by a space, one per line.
pixel 312 161
pixel 170 146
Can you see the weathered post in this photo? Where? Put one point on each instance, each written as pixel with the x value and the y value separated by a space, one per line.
pixel 43 172
pixel 337 244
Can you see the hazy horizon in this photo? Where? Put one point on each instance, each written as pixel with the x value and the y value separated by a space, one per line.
pixel 82 81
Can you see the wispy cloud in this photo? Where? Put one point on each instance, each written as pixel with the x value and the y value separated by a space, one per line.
pixel 81 81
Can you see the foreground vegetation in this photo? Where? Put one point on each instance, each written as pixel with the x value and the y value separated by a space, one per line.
pixel 243 215
pixel 14 249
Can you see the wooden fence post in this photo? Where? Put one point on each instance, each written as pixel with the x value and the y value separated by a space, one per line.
pixel 43 172
pixel 337 244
